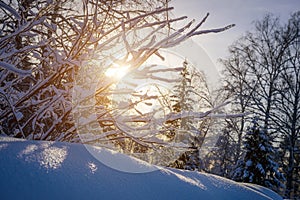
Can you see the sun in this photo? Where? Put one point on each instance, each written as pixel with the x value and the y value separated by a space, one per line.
pixel 117 71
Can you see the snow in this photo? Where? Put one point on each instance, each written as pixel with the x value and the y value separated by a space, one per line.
pixel 10 9
pixel 55 170
pixel 249 163
pixel 12 68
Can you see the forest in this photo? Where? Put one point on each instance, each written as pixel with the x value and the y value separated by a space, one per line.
pixel 103 73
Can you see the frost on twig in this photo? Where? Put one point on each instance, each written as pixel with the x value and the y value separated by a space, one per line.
pixel 54 57
pixel 13 69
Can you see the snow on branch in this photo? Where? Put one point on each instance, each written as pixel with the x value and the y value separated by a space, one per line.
pixel 10 9
pixel 60 44
pixel 14 69
pixel 217 30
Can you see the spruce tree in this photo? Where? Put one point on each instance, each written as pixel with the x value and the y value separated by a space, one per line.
pixel 182 101
pixel 258 165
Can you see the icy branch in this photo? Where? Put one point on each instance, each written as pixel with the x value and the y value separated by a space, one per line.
pixel 10 9
pixel 14 69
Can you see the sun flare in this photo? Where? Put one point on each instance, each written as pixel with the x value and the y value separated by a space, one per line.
pixel 117 71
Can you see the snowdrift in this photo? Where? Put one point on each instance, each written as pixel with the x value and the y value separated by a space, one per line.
pixel 54 170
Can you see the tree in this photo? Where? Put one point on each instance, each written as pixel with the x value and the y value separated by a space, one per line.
pixel 237 89
pixel 180 100
pixel 53 60
pixel 256 63
pixel 288 105
pixel 186 130
pixel 258 165
pixel 262 76
pixel 251 74
pixel 137 124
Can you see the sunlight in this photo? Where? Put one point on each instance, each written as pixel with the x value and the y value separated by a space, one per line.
pixel 117 71
pixel 150 98
pixel 52 157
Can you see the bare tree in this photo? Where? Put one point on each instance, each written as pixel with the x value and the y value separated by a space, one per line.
pixel 71 46
pixel 287 102
pixel 239 88
pixel 262 75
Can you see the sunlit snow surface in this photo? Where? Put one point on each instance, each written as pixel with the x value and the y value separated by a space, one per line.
pixel 49 157
pixel 53 170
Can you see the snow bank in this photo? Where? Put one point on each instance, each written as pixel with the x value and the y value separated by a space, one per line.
pixel 53 170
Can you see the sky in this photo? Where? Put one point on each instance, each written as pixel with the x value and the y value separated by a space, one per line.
pixel 224 12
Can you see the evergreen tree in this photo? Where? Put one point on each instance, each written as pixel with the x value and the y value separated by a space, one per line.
pixel 258 165
pixel 186 131
pixel 182 97
pixel 180 102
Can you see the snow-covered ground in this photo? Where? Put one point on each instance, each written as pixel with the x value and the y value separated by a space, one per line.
pixel 54 170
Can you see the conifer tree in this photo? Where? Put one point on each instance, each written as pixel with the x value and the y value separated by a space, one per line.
pixel 258 165
pixel 182 102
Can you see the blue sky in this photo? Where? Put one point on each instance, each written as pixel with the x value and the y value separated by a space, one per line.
pixel 223 12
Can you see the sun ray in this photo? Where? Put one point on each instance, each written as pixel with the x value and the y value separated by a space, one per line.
pixel 117 71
